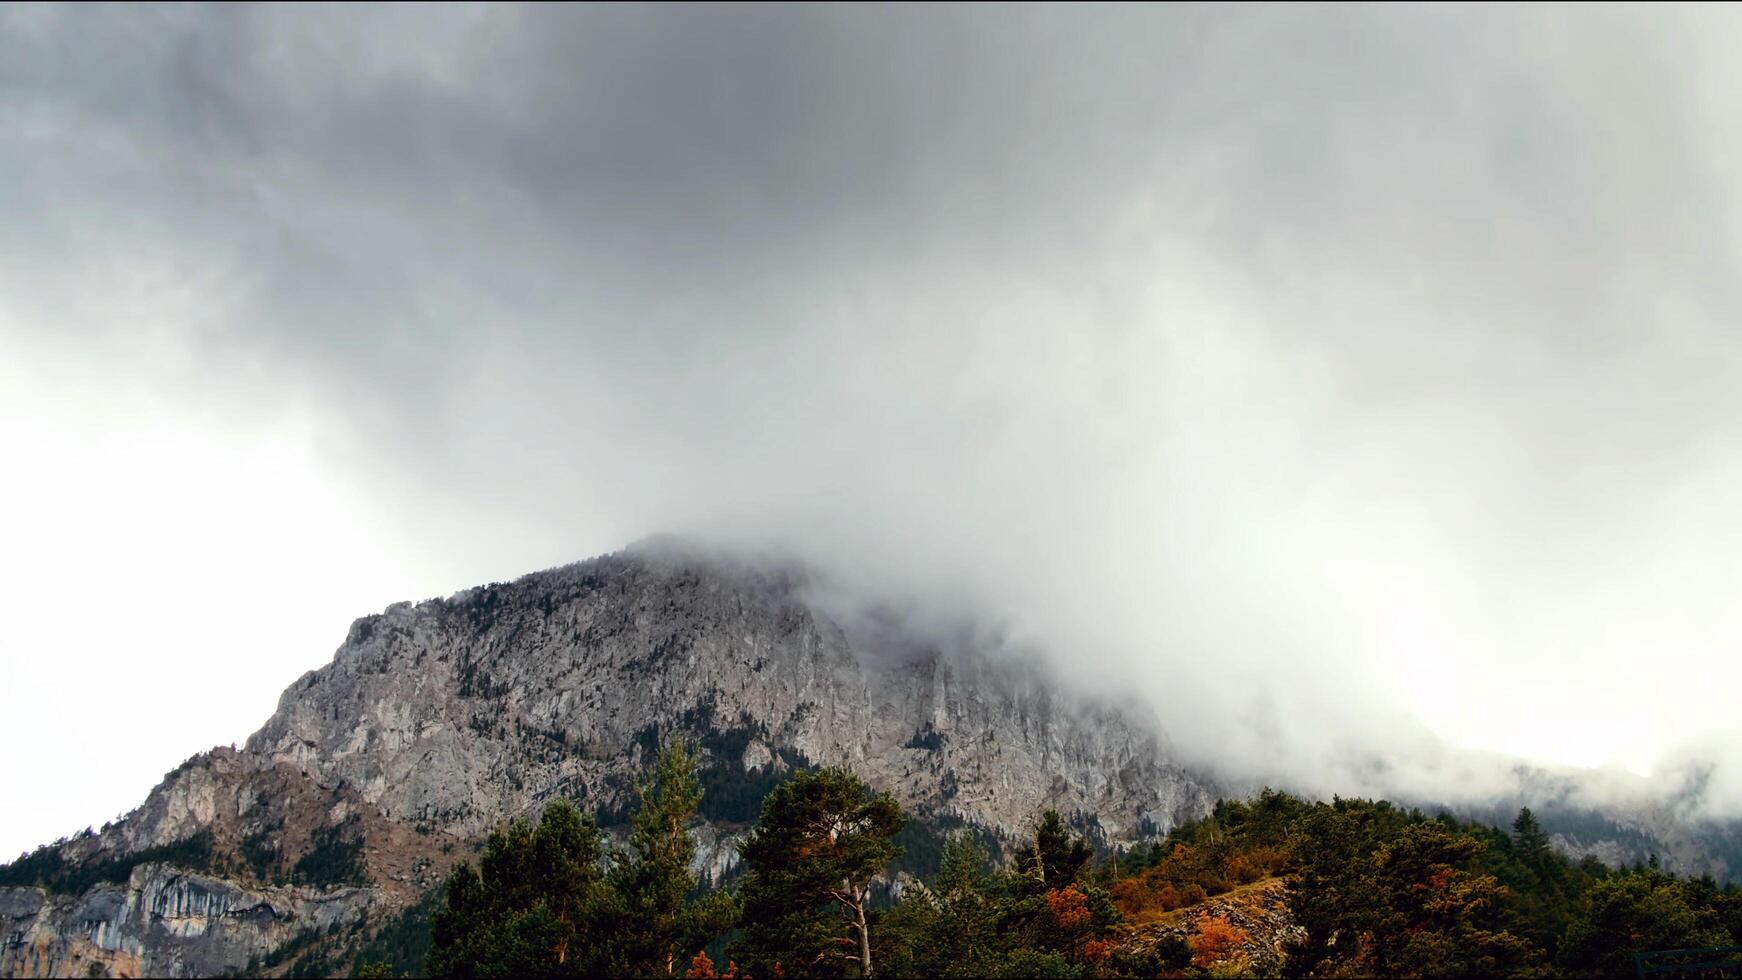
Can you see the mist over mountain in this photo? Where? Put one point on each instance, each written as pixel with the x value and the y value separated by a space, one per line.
pixel 1348 382
pixel 1346 399
pixel 435 722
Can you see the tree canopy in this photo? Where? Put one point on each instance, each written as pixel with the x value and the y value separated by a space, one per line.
pixel 1369 888
pixel 822 838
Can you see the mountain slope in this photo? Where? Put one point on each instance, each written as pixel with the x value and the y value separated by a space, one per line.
pixel 436 720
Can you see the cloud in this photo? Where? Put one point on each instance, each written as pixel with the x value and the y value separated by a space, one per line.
pixel 1333 374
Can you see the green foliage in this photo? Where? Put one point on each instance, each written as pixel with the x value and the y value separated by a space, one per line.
pixel 1530 840
pixel 927 739
pixel 1646 910
pixel 1377 890
pixel 335 859
pixel 539 906
pixel 321 962
pixel 924 844
pixel 1056 857
pixel 1238 843
pixel 530 908
pixel 821 838
pixel 47 868
pixel 731 793
pixel 1384 892
pixel 951 929
pixel 259 854
pixel 980 921
pixel 654 923
pixel 402 945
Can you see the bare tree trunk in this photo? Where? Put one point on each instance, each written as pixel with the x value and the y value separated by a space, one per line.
pixel 864 939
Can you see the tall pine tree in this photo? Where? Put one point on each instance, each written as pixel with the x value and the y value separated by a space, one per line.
pixel 657 923
pixel 1530 841
pixel 1055 857
pixel 531 909
pixel 821 838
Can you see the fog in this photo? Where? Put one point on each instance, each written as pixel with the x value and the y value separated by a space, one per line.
pixel 1361 385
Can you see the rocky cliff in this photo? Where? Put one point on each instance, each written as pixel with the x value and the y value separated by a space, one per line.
pixel 436 720
pixel 164 921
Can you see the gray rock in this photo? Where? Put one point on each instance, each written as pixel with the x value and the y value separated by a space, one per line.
pixel 450 715
pixel 162 922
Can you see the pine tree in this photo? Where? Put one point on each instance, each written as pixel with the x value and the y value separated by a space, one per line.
pixel 655 926
pixel 1056 857
pixel 530 908
pixel 1530 840
pixel 821 838
pixel 1381 893
pixel 962 872
pixel 1624 914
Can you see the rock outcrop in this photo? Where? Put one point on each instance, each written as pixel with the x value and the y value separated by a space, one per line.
pixel 164 922
pixel 1260 923
pixel 434 721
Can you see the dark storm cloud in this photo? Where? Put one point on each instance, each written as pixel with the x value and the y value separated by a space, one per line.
pixel 1272 355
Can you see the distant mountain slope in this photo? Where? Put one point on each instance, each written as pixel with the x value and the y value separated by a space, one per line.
pixel 436 720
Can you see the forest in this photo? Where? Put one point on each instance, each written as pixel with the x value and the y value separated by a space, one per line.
pixel 1269 886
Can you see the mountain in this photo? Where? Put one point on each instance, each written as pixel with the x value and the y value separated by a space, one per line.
pixel 434 721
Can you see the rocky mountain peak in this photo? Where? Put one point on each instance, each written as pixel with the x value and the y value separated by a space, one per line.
pixel 436 720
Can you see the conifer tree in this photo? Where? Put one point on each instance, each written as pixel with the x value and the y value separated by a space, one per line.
pixel 531 908
pixel 1056 857
pixel 822 836
pixel 1530 840
pixel 656 926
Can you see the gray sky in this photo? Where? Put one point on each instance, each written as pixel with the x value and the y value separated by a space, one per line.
pixel 1343 378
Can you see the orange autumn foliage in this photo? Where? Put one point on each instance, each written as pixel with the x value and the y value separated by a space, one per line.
pixel 702 968
pixel 1149 895
pixel 1243 869
pixel 1188 875
pixel 1141 898
pixel 1214 940
pixel 1096 950
pixel 1069 907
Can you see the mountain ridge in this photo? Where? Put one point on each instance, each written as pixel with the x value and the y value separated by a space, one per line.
pixel 436 720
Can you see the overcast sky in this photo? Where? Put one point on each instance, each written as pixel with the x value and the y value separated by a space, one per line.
pixel 1347 379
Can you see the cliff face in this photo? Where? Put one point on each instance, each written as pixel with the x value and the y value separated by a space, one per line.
pixel 454 712
pixel 436 720
pixel 163 922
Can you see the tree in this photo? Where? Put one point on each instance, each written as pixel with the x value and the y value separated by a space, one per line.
pixel 530 908
pixel 1386 893
pixel 1628 913
pixel 655 924
pixel 822 837
pixel 1056 857
pixel 1216 939
pixel 1052 917
pixel 1531 841
pixel 951 928
pixel 962 872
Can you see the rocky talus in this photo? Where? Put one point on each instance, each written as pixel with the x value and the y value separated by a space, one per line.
pixel 1258 913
